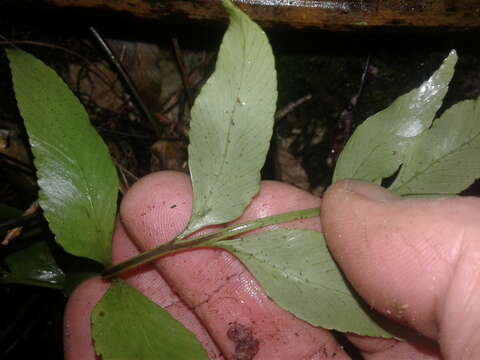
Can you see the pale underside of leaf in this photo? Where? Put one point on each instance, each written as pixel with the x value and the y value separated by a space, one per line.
pixel 382 142
pixel 127 325
pixel 77 180
pixel 231 126
pixel 445 159
pixel 296 270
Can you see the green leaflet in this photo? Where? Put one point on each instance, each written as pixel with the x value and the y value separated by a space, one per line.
pixel 231 125
pixel 34 265
pixel 127 325
pixel 78 182
pixel 380 145
pixel 297 271
pixel 445 158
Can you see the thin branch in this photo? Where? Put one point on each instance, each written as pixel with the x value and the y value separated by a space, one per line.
pixel 183 71
pixel 347 116
pixel 127 82
pixel 32 211
pixel 42 44
pixel 17 164
pixel 21 220
pixel 281 113
pixel 124 171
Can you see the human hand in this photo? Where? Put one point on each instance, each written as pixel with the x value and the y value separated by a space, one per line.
pixel 414 261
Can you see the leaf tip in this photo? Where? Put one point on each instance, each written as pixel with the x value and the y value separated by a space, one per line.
pixel 228 5
pixel 453 53
pixel 452 58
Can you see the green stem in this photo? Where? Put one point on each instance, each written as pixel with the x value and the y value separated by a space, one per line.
pixel 206 240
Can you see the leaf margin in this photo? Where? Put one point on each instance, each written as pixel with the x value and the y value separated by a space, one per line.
pixel 203 212
pixel 27 69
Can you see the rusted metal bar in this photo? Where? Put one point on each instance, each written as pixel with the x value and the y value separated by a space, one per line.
pixel 325 14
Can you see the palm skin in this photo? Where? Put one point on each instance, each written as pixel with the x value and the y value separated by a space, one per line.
pixel 416 262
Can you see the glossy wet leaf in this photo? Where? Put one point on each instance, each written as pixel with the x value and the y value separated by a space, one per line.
pixel 296 270
pixel 445 159
pixel 382 142
pixel 77 180
pixel 34 265
pixel 127 325
pixel 231 124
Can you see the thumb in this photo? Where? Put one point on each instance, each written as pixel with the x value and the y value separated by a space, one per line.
pixel 416 261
